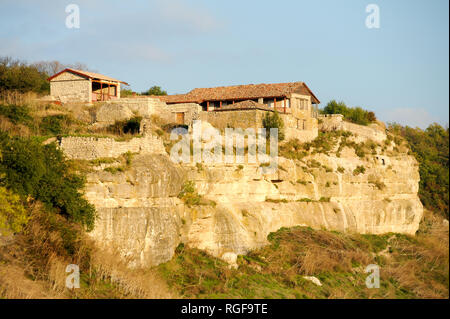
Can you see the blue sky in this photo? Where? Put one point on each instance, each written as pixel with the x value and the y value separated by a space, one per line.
pixel 401 70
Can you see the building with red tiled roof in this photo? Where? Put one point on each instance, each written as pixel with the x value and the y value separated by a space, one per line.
pixel 280 96
pixel 83 86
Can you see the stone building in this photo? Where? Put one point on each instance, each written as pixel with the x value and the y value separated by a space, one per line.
pixel 72 85
pixel 244 106
pixel 284 97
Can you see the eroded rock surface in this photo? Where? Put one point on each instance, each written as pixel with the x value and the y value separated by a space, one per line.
pixel 141 216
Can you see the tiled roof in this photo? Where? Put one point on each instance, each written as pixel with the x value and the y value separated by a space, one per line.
pixel 87 74
pixel 241 92
pixel 245 105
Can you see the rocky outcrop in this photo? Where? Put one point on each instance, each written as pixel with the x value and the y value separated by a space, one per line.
pixel 141 216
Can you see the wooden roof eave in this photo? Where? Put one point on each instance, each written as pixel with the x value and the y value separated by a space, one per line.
pixel 107 81
pixel 79 74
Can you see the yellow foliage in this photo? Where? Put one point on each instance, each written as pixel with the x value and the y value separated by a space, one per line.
pixel 13 216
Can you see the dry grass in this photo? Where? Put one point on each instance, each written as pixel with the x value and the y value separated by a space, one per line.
pixel 14 129
pixel 17 98
pixel 34 266
pixel 422 265
pixel 14 284
pixel 139 283
pixel 410 266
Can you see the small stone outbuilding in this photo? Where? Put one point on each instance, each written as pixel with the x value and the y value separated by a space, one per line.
pixel 72 85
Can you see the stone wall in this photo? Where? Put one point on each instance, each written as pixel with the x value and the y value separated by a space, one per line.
pixel 236 119
pixel 372 131
pixel 303 130
pixel 143 106
pixel 89 148
pixel 330 122
pixel 69 87
pixel 169 112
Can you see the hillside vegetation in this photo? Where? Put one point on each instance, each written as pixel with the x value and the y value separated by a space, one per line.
pixel 44 221
pixel 410 267
pixel 355 115
pixel 430 147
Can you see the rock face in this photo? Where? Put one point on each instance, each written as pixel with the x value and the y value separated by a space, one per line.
pixel 141 216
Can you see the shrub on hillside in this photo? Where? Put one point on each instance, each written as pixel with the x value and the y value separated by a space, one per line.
pixel 19 76
pixel 273 120
pixel 126 92
pixel 41 171
pixel 130 126
pixel 431 149
pixel 155 90
pixel 13 216
pixel 55 124
pixel 356 115
pixel 17 114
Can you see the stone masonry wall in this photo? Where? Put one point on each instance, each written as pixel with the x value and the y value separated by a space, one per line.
pixel 70 87
pixel 373 131
pixel 253 119
pixel 143 106
pixel 169 112
pixel 236 119
pixel 89 148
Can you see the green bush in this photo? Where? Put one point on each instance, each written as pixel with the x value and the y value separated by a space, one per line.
pixel 130 126
pixel 431 149
pixel 41 171
pixel 17 114
pixel 55 124
pixel 125 92
pixel 13 216
pixel 273 120
pixel 189 195
pixel 19 76
pixel 154 90
pixel 359 170
pixel 353 114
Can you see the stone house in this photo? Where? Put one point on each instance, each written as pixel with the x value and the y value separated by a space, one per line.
pixel 245 105
pixel 72 85
pixel 284 97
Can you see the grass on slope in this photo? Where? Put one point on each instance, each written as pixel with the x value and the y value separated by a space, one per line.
pixel 410 267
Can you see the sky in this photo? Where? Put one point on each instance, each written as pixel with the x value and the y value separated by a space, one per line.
pixel 399 70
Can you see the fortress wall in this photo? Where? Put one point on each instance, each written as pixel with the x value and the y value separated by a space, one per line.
pixel 143 106
pixel 89 148
pixel 169 112
pixel 293 128
pixel 331 122
pixel 236 119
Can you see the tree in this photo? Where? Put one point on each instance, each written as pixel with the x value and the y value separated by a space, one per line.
pixel 154 90
pixel 353 114
pixel 431 149
pixel 31 169
pixel 273 120
pixel 16 75
pixel 19 76
pixel 125 92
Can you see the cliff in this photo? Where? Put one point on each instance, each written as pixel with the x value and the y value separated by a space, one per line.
pixel 141 215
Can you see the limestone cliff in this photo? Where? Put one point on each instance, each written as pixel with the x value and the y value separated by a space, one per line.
pixel 141 216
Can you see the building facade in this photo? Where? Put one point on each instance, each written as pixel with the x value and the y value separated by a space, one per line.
pixel 245 105
pixel 72 85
